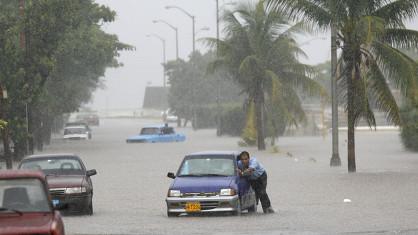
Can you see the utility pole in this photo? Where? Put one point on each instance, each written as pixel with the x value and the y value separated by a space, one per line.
pixel 218 92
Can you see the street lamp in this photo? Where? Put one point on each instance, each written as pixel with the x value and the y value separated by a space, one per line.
pixel 193 22
pixel 177 34
pixel 164 55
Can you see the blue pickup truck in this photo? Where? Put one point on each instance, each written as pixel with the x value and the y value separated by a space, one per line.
pixel 156 133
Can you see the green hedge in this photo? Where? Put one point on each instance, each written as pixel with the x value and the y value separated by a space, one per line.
pixel 409 129
pixel 232 118
pixel 205 117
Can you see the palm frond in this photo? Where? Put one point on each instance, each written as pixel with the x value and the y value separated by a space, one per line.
pixel 308 11
pixel 401 38
pixel 381 95
pixel 395 12
pixel 397 67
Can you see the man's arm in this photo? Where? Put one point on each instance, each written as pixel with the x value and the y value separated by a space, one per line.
pixel 246 172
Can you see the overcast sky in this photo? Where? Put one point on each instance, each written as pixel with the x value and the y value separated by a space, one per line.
pixel 125 86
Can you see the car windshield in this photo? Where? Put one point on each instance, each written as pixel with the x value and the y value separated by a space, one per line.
pixel 150 131
pixel 55 166
pixel 75 130
pixel 23 195
pixel 207 166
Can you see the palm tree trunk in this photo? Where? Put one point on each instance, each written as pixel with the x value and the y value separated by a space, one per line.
pixel 351 157
pixel 351 146
pixel 259 114
pixel 335 159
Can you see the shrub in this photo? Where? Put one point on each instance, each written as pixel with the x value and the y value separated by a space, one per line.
pixel 409 128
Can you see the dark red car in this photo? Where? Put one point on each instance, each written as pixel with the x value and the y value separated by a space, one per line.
pixel 69 182
pixel 25 205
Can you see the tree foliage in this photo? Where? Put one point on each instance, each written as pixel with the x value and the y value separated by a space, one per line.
pixel 261 55
pixel 52 55
pixel 370 36
pixel 192 86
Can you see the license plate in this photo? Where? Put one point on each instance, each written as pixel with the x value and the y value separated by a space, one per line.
pixel 55 202
pixel 193 206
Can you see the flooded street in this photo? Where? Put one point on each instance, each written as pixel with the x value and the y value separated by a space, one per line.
pixel 308 195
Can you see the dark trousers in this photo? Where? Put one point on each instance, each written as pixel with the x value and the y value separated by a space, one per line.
pixel 259 185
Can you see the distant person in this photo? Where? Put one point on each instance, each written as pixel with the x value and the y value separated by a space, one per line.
pixel 257 177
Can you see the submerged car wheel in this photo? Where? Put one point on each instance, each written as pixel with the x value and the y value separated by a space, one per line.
pixel 238 211
pixel 90 208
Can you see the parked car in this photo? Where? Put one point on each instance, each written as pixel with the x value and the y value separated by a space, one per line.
pixel 25 205
pixel 76 133
pixel 209 182
pixel 158 133
pixel 68 180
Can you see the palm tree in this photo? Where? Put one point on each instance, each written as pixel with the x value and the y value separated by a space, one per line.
pixel 262 56
pixel 370 35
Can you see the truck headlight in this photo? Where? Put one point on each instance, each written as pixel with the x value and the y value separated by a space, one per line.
pixel 227 192
pixel 174 193
pixel 75 190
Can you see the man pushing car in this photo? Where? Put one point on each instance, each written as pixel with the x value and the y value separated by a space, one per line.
pixel 257 177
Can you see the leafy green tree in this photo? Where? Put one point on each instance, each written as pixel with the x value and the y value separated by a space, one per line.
pixel 370 35
pixel 53 56
pixel 261 55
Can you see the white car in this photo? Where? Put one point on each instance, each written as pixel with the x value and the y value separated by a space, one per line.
pixel 168 116
pixel 76 133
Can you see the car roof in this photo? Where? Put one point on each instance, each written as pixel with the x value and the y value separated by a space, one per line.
pixel 13 174
pixel 155 126
pixel 74 127
pixel 76 123
pixel 215 153
pixel 53 155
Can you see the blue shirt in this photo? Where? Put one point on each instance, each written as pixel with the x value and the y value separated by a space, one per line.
pixel 254 164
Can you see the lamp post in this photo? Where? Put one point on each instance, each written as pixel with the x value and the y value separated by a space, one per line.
pixel 176 31
pixel 218 88
pixel 193 110
pixel 193 23
pixel 164 55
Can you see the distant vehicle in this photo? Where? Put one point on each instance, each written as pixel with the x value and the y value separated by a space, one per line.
pixel 154 134
pixel 80 123
pixel 25 205
pixel 208 182
pixel 68 180
pixel 168 116
pixel 77 133
pixel 89 118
